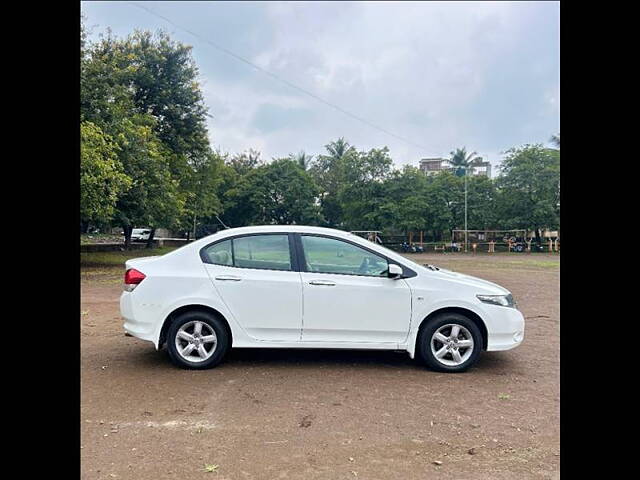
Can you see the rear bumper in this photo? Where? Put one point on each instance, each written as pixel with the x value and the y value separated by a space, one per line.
pixel 505 328
pixel 132 323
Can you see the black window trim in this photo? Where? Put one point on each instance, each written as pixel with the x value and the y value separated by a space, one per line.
pixel 293 254
pixel 407 272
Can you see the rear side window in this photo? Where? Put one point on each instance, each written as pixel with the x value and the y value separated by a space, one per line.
pixel 220 253
pixel 269 252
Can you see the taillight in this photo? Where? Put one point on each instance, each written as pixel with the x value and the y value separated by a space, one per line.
pixel 132 278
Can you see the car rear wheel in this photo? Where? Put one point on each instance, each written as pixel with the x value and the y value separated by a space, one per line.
pixel 197 340
pixel 450 342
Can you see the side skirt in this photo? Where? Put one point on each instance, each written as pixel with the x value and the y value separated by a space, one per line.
pixel 320 345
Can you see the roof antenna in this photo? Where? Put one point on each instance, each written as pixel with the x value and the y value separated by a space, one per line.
pixel 221 222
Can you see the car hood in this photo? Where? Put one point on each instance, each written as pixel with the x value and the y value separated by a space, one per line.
pixel 483 286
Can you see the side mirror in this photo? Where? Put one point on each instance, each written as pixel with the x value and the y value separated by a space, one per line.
pixel 395 271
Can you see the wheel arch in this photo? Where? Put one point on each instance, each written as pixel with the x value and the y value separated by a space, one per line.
pixel 191 308
pixel 470 314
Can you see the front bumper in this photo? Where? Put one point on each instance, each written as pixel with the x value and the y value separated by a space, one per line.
pixel 505 328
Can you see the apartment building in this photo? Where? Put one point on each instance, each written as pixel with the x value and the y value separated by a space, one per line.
pixel 431 166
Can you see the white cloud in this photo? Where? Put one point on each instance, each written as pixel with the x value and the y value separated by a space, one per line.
pixel 442 74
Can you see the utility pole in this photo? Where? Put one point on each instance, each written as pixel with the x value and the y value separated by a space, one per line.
pixel 466 238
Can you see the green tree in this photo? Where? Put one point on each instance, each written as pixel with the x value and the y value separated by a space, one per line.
pixel 329 173
pixel 154 198
pixel 445 203
pixel 102 179
pixel 555 139
pixel 202 200
pixel 529 188
pixel 364 189
pixel 245 162
pixel 302 158
pixel 282 193
pixel 146 86
pixel 106 96
pixel 401 202
pixel 234 190
pixel 164 80
pixel 481 203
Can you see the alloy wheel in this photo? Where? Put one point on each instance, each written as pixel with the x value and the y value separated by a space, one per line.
pixel 452 344
pixel 196 341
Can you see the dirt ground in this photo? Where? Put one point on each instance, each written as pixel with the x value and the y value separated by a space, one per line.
pixel 295 414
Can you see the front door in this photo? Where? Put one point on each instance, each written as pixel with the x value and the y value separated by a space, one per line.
pixel 348 296
pixel 254 275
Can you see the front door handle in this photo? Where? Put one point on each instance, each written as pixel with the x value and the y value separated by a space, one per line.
pixel 324 283
pixel 228 278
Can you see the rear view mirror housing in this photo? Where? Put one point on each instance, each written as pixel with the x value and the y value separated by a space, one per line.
pixel 395 271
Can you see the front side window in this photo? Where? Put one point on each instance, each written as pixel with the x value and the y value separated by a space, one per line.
pixel 329 255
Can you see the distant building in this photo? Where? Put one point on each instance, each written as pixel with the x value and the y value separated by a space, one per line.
pixel 482 168
pixel 431 166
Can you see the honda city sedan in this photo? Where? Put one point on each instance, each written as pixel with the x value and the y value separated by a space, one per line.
pixel 311 287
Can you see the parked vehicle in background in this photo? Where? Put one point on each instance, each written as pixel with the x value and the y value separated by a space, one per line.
pixel 140 234
pixel 309 287
pixel 407 247
pixel 519 244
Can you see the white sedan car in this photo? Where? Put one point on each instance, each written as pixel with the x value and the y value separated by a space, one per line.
pixel 310 287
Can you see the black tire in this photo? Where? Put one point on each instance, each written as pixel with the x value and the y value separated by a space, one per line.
pixel 223 340
pixel 423 346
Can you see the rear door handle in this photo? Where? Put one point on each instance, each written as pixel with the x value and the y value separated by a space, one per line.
pixel 324 283
pixel 228 278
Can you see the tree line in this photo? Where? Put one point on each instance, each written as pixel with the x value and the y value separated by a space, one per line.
pixel 146 161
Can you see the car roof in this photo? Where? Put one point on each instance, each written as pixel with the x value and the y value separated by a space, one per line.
pixel 283 229
pixel 231 232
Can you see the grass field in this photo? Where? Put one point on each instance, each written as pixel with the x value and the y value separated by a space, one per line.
pixel 91 238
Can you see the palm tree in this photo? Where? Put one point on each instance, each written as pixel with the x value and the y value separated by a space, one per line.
pixel 339 148
pixel 301 158
pixel 461 161
pixel 555 139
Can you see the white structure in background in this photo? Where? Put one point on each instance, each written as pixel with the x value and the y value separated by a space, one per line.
pixel 431 166
pixel 482 168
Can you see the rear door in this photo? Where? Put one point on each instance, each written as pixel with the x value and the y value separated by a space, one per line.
pixel 256 278
pixel 348 296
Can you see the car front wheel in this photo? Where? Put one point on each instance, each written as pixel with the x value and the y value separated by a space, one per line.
pixel 197 340
pixel 450 343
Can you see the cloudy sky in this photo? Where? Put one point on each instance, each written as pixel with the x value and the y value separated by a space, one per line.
pixel 440 75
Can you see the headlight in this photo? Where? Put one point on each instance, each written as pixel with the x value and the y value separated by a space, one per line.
pixel 502 300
